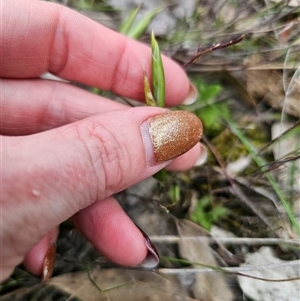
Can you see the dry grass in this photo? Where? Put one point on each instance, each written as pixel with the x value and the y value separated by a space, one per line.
pixel 250 90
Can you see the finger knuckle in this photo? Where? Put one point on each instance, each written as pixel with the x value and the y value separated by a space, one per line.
pixel 108 158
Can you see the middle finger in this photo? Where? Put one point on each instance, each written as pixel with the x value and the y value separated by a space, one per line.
pixel 32 106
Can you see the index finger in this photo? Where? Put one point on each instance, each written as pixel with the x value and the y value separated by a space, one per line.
pixel 39 36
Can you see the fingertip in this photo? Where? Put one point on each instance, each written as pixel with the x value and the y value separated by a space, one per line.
pixel 202 157
pixel 112 232
pixel 196 156
pixel 76 48
pixel 192 95
pixel 34 259
pixel 178 87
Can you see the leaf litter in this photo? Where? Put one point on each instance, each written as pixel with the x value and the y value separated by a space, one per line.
pixel 266 68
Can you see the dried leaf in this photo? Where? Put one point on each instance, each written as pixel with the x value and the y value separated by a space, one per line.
pixel 119 284
pixel 150 101
pixel 268 291
pixel 206 286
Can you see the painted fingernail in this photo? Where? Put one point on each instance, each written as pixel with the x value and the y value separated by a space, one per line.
pixel 152 258
pixel 172 134
pixel 49 262
pixel 192 95
pixel 203 156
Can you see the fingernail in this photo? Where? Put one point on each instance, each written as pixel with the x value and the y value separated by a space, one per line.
pixel 192 95
pixel 152 258
pixel 171 134
pixel 203 156
pixel 49 262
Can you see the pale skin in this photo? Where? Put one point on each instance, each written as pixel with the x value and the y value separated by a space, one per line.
pixel 65 151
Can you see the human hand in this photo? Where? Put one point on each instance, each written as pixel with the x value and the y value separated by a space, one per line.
pixel 65 152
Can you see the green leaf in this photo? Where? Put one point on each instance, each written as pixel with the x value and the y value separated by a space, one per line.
pixel 207 92
pixel 218 212
pixel 212 115
pixel 161 176
pixel 174 193
pixel 135 32
pixel 205 214
pixel 150 101
pixel 158 75
pixel 126 26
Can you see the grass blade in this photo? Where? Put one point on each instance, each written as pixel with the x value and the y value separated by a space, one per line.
pixel 126 26
pixel 158 75
pixel 261 163
pixel 135 32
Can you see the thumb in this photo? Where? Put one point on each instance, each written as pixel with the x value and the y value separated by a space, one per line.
pixel 48 177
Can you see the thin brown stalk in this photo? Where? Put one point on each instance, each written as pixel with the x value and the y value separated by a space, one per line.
pixel 217 46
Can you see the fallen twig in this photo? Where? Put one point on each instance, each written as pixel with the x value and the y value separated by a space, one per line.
pixel 201 52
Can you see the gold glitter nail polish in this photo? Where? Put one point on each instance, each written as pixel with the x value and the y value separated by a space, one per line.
pixel 48 264
pixel 174 133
